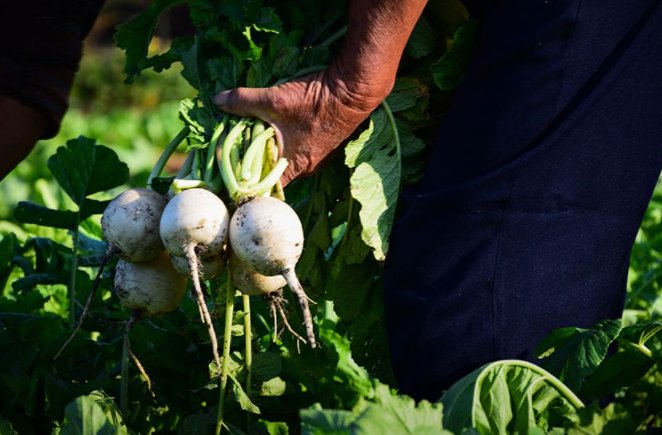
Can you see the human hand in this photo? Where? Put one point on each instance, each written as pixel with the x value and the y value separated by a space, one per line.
pixel 311 116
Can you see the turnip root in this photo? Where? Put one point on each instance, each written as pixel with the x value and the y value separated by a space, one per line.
pixel 130 224
pixel 194 224
pixel 266 234
pixel 251 282
pixel 152 287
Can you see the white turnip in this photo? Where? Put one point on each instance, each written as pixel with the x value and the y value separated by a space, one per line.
pixel 151 287
pixel 251 282
pixel 194 225
pixel 266 234
pixel 130 224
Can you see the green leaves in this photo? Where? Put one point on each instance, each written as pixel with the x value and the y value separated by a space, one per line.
pixel 387 413
pixel 507 396
pixel 573 353
pixel 375 182
pixel 81 168
pixel 84 416
pixel 134 38
pixel 448 71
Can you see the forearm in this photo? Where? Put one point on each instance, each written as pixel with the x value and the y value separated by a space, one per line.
pixel 22 126
pixel 378 32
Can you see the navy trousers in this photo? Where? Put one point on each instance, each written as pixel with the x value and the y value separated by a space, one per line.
pixel 534 190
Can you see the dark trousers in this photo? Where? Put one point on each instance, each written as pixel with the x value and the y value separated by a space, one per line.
pixel 534 190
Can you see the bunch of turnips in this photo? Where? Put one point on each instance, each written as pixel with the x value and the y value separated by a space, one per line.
pixel 189 232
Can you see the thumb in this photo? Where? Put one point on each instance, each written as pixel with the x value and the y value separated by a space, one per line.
pixel 240 101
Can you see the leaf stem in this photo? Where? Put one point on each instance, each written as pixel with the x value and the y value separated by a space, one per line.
pixel 248 358
pixel 165 155
pixel 227 339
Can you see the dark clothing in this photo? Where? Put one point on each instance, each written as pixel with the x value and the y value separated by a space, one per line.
pixel 535 189
pixel 40 49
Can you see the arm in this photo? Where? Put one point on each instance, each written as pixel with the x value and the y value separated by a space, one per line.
pixel 313 115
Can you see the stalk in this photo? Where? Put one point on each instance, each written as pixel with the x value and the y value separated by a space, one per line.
pixel 74 270
pixel 227 163
pixel 271 179
pixel 227 339
pixel 248 358
pixel 165 155
pixel 124 378
pixel 251 164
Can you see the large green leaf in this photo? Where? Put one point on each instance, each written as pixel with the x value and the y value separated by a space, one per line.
pixel 375 183
pixel 389 413
pixel 508 396
pixel 573 353
pixel 82 168
pixel 84 416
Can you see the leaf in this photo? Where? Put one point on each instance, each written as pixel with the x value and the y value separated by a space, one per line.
pixel 83 168
pixel 505 397
pixel 84 416
pixel 241 396
pixel 617 371
pixel 135 35
pixel 266 365
pixel 405 93
pixel 6 428
pixel 375 183
pixel 422 39
pixel 390 413
pixel 30 213
pixel 448 71
pixel 573 353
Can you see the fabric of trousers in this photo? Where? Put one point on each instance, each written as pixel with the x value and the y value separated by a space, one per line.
pixel 534 190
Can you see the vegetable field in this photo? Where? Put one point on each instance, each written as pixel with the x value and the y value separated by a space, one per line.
pixel 204 321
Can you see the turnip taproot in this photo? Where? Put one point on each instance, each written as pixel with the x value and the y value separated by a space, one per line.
pixel 266 234
pixel 130 224
pixel 208 267
pixel 151 287
pixel 194 224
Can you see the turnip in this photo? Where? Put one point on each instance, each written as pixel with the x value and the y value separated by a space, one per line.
pixel 130 224
pixel 152 287
pixel 251 282
pixel 195 221
pixel 194 224
pixel 266 234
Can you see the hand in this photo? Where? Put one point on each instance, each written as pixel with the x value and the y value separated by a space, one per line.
pixel 311 116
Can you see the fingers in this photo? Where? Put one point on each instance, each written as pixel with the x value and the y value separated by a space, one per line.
pixel 241 102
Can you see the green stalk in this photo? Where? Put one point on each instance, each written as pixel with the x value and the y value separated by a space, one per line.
pixel 227 166
pixel 179 185
pixel 254 156
pixel 165 155
pixel 185 169
pixel 271 179
pixel 248 358
pixel 72 277
pixel 227 339
pixel 258 127
pixel 396 136
pixel 124 377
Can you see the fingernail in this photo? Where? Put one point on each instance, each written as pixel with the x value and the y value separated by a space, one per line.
pixel 221 99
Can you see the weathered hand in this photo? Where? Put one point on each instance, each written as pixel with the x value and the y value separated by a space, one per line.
pixel 312 116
